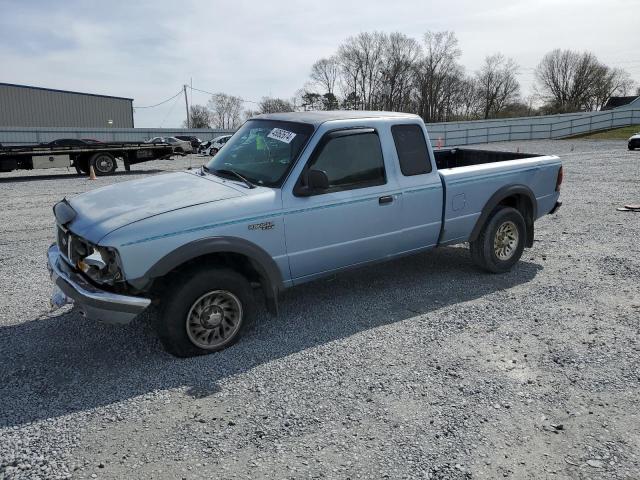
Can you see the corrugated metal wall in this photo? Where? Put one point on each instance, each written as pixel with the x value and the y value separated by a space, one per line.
pixel 22 106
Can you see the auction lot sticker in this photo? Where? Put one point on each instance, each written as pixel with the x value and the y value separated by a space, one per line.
pixel 282 135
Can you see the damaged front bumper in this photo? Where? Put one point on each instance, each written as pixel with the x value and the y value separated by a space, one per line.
pixel 93 302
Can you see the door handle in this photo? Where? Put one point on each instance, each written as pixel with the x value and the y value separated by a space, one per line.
pixel 385 199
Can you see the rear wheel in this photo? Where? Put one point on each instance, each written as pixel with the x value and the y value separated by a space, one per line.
pixel 103 163
pixel 501 241
pixel 205 311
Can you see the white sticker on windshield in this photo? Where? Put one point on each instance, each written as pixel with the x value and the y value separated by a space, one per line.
pixel 282 135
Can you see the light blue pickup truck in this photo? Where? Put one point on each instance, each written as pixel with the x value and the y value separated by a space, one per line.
pixel 290 198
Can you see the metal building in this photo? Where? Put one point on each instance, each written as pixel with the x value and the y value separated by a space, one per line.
pixel 25 106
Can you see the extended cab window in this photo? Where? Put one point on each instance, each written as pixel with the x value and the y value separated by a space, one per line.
pixel 351 160
pixel 412 149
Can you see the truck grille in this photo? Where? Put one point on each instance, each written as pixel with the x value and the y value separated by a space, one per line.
pixel 71 247
pixel 63 241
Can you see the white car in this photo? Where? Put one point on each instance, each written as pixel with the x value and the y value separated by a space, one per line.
pixel 216 144
pixel 181 147
pixel 634 141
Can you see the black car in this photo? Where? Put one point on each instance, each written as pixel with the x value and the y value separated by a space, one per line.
pixel 195 141
pixel 71 142
pixel 634 141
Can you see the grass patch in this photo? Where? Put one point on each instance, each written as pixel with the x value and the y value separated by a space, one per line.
pixel 616 134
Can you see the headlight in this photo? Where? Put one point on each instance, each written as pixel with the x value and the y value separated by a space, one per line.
pixel 102 265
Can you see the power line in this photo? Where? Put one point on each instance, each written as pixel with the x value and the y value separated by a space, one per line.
pixel 170 110
pixel 163 102
pixel 211 93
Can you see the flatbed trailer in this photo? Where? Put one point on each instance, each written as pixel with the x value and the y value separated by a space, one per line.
pixel 102 156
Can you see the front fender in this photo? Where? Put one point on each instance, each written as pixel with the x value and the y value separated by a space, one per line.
pixel 261 260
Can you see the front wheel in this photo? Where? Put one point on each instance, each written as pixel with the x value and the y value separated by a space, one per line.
pixel 204 311
pixel 501 241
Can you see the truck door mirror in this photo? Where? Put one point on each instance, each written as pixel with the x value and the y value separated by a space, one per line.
pixel 317 182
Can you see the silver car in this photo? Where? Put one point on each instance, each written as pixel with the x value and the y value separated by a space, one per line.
pixel 181 147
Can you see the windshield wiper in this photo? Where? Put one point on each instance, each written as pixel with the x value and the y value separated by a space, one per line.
pixel 235 174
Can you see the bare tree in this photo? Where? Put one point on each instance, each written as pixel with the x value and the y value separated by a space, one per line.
pixel 400 55
pixel 275 105
pixel 198 116
pixel 434 72
pixel 463 102
pixel 325 73
pixel 497 84
pixel 225 111
pixel 361 61
pixel 566 79
pixel 609 82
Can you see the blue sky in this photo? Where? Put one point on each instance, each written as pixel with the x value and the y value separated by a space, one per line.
pixel 147 50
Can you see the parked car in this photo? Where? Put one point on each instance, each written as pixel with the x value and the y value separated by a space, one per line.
pixel 181 147
pixel 194 141
pixel 634 141
pixel 352 187
pixel 203 146
pixel 216 144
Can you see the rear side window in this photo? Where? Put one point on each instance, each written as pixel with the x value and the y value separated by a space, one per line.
pixel 352 161
pixel 412 149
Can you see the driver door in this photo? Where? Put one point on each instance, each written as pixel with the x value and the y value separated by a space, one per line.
pixel 352 222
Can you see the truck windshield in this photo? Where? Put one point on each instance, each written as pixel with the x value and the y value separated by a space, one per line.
pixel 262 151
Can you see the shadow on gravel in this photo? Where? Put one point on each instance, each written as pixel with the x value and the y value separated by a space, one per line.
pixel 71 175
pixel 60 365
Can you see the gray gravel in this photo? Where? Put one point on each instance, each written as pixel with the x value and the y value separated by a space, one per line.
pixel 424 367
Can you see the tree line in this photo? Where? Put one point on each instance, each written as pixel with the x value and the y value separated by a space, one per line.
pixel 380 71
pixel 227 111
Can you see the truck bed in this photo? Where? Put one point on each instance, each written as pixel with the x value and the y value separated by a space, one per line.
pixel 471 177
pixel 465 157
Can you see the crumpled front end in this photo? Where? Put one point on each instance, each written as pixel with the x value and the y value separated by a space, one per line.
pixel 92 301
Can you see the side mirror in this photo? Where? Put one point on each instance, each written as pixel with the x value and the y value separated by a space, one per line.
pixel 317 182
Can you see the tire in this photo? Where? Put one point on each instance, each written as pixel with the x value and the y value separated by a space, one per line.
pixel 501 241
pixel 103 163
pixel 186 333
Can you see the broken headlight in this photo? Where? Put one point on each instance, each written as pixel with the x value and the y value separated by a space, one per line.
pixel 102 265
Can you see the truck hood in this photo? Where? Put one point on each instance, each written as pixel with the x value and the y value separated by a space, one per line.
pixel 106 209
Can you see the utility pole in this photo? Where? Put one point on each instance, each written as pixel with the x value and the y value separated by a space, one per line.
pixel 186 104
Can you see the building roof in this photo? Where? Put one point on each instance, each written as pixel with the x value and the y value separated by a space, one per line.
pixel 318 117
pixel 615 102
pixel 63 91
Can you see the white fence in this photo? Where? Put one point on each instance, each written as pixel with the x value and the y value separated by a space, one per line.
pixel 446 134
pixel 530 128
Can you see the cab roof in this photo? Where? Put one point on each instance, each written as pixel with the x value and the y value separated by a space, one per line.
pixel 317 118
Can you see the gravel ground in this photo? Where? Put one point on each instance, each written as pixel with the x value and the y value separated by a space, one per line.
pixel 423 367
